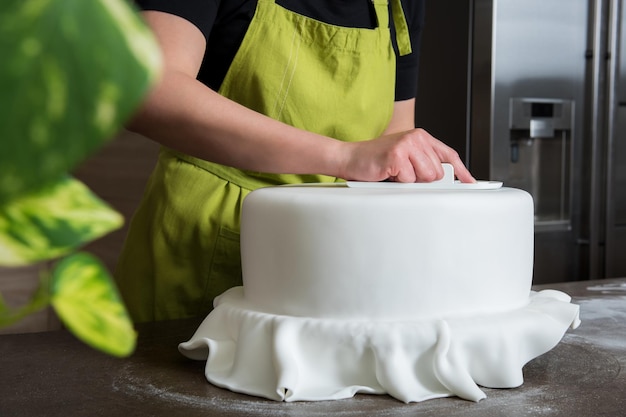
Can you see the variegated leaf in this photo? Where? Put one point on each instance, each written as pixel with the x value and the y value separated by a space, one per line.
pixel 71 73
pixel 52 222
pixel 87 301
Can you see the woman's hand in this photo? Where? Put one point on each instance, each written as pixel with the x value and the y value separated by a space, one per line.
pixel 410 156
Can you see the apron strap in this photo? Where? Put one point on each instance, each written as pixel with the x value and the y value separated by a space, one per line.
pixel 399 21
pixel 402 29
pixel 382 12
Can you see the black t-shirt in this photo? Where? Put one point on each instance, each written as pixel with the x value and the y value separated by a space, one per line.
pixel 225 22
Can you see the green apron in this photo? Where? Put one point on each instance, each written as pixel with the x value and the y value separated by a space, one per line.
pixel 182 249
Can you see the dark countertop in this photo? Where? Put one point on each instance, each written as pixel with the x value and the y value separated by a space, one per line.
pixel 53 374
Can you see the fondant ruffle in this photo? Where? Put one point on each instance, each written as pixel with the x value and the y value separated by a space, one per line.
pixel 287 358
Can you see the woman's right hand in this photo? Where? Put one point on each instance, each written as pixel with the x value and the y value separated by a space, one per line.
pixel 410 156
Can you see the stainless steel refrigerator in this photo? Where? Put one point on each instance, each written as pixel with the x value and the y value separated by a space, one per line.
pixel 533 93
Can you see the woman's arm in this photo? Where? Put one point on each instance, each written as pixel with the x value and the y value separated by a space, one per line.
pixel 185 115
pixel 403 117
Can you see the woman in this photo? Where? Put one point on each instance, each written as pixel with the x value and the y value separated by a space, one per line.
pixel 259 93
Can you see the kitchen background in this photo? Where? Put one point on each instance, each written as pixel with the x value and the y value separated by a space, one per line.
pixel 531 93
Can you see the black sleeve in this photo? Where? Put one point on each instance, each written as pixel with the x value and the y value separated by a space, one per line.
pixel 201 13
pixel 407 66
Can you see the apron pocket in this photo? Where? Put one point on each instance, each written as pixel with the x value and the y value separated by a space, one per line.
pixel 225 268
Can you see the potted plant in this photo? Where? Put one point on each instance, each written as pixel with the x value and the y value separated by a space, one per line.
pixel 71 73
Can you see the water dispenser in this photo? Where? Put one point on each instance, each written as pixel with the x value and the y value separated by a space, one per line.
pixel 540 157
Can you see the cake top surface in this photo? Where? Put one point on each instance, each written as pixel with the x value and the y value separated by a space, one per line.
pixel 340 195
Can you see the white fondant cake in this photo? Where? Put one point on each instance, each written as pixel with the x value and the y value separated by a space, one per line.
pixel 418 293
pixel 386 254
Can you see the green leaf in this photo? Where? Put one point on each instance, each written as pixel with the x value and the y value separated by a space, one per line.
pixel 53 222
pixel 87 301
pixel 72 73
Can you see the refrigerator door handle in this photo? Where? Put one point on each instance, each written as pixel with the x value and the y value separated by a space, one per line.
pixel 597 107
pixel 605 68
pixel 613 60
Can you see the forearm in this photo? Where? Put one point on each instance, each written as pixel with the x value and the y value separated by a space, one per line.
pixel 185 115
pixel 403 117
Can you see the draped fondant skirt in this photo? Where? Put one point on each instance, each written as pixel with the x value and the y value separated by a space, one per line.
pixel 288 358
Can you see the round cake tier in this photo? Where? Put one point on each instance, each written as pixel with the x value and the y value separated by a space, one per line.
pixel 386 254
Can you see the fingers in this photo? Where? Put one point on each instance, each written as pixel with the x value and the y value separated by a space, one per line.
pixel 411 156
pixel 461 172
pixel 425 155
pixel 449 155
pixel 426 165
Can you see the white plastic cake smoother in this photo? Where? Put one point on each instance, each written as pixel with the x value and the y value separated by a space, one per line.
pixel 446 183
